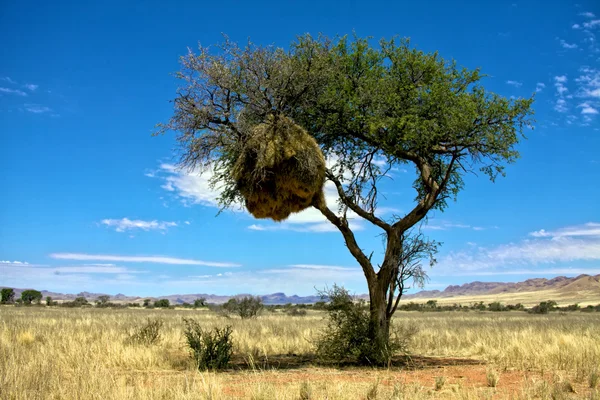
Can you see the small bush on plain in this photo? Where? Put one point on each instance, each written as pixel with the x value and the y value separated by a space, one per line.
pixel 147 334
pixel 346 336
pixel 210 349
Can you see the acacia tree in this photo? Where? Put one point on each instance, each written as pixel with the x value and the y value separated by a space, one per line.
pixel 370 108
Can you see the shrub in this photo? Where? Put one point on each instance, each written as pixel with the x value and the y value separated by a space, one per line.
pixel 7 296
pixel 210 349
pixel 544 307
pixel 346 335
pixel 78 302
pixel 29 296
pixel 246 307
pixel 201 302
pixel 492 378
pixel 295 312
pixel 147 334
pixel 162 303
pixel 496 306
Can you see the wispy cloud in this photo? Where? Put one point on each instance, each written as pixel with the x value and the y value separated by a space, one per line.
pixel 561 106
pixel 576 26
pixel 31 87
pixel 15 262
pixel 586 108
pixel 566 45
pixel 589 229
pixel 141 259
pixel 126 224
pixel 7 79
pixel 587 14
pixel 560 79
pixel 589 82
pixel 568 244
pixel 592 24
pixel 514 83
pixel 37 109
pixel 540 86
pixel 445 225
pixel 13 91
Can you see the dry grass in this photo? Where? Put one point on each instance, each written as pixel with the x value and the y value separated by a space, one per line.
pixel 83 354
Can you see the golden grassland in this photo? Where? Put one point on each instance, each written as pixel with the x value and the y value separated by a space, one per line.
pixel 528 299
pixel 57 353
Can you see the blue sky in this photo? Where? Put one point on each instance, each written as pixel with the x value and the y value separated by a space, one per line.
pixel 90 201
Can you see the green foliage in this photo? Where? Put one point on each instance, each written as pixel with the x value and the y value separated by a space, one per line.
pixel 347 335
pixel 356 99
pixel 201 302
pixel 147 302
pixel 162 303
pixel 29 296
pixel 78 302
pixel 211 350
pixel 246 307
pixel 544 307
pixel 102 300
pixel 497 306
pixel 296 312
pixel 7 296
pixel 49 301
pixel 147 334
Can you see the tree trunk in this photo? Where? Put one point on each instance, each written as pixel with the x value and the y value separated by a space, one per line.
pixel 379 324
pixel 380 317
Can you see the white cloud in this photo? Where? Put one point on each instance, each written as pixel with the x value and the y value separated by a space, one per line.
pixel 126 224
pixel 587 14
pixel 31 87
pixel 7 79
pixel 589 83
pixel 589 229
pixel 577 243
pixel 37 109
pixel 561 106
pixel 576 26
pixel 93 269
pixel 13 91
pixel 322 267
pixel 560 79
pixel 514 83
pixel 566 45
pixel 586 108
pixel 146 259
pixel 444 226
pixel 15 262
pixel 539 86
pixel 592 24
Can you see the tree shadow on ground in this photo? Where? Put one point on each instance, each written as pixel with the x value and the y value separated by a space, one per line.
pixel 295 361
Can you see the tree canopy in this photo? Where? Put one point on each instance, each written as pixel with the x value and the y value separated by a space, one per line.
pixel 370 108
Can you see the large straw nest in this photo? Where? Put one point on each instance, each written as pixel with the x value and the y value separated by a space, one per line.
pixel 280 170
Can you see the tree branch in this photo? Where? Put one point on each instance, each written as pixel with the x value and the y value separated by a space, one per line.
pixel 342 225
pixel 369 216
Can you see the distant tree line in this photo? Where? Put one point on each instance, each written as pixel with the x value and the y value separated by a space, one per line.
pixel 249 307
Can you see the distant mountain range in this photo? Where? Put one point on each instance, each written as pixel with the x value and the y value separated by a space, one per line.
pixel 563 284
pixel 580 284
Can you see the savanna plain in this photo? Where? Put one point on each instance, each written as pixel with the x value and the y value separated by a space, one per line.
pixel 55 353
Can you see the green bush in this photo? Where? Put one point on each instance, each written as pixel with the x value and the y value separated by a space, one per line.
pixel 544 307
pixel 296 312
pixel 346 336
pixel 246 307
pixel 210 349
pixel 147 334
pixel 29 296
pixel 162 303
pixel 7 296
